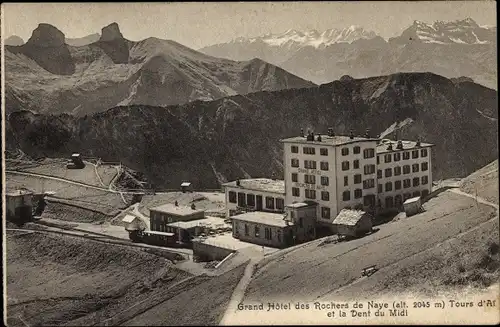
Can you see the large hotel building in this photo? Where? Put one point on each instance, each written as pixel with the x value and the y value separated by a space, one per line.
pixel 338 172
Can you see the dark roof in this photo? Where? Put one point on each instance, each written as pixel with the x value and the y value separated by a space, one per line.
pixel 328 140
pixel 407 145
pixel 260 184
pixel 349 217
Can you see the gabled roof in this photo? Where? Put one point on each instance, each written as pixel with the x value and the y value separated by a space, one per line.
pixel 412 200
pixel 129 218
pixel 172 209
pixel 349 217
pixel 259 184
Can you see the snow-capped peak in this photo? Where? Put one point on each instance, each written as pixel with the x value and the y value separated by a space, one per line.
pixel 294 38
pixel 465 31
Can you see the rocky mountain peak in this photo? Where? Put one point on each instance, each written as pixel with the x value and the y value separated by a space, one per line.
pixel 46 35
pixel 110 33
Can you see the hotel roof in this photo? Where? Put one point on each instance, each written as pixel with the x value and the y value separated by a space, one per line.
pixel 211 222
pixel 328 140
pixel 176 210
pixel 260 184
pixel 264 218
pixel 382 147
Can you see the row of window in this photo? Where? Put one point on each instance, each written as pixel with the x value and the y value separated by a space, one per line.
pixel 324 180
pixel 407 183
pixel 406 155
pixel 268 233
pixel 249 200
pixel 367 153
pixel 415 168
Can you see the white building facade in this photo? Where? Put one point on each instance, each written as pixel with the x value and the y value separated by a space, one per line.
pixel 256 194
pixel 335 171
pixel 403 172
pixel 340 172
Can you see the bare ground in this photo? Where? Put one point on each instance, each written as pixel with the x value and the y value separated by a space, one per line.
pixel 58 280
pixel 202 305
pixel 483 182
pixel 57 168
pixel 312 272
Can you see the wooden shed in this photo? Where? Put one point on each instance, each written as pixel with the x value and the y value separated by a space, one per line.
pixel 186 187
pixel 19 206
pixel 353 222
pixel 412 206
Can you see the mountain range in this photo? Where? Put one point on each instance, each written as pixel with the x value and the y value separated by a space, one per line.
pixel 48 75
pixel 209 142
pixel 452 49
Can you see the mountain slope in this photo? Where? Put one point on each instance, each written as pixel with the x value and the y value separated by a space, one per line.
pixel 14 40
pixel 451 49
pixel 208 142
pixel 48 75
pixel 81 41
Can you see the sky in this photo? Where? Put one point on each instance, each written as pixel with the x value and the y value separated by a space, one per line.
pixel 199 24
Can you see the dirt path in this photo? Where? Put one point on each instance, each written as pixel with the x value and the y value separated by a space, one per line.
pixel 477 198
pixel 239 290
pixel 60 180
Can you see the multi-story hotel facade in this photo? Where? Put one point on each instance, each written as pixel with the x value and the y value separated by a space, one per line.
pixel 403 171
pixel 340 172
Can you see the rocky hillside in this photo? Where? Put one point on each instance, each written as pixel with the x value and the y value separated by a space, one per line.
pixel 208 142
pixel 451 49
pixel 48 75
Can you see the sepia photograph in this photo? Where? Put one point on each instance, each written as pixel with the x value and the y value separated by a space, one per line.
pixel 250 163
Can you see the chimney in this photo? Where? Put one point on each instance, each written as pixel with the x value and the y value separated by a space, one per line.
pixel 351 135
pixel 367 133
pixel 193 206
pixel 176 203
pixel 319 138
pixel 418 142
pixel 302 132
pixel 312 136
pixel 400 145
pixel 238 182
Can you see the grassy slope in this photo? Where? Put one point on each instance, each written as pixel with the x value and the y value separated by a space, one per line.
pixel 60 279
pixel 315 271
pixel 57 168
pixel 201 305
pixel 485 181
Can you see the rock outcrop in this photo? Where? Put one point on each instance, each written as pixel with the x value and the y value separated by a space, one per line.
pixel 46 36
pixel 47 48
pixel 110 33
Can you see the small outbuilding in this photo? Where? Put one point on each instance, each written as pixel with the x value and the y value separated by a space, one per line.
pixel 413 206
pixel 353 222
pixel 19 206
pixel 76 162
pixel 186 187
